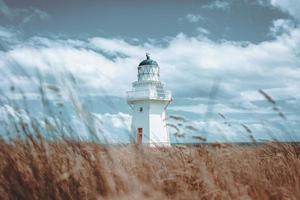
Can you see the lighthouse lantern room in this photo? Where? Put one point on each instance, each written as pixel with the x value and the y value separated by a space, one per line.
pixel 149 100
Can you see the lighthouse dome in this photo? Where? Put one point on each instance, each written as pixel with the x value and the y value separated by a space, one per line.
pixel 148 61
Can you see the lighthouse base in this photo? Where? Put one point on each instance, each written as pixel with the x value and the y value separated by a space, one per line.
pixel 149 123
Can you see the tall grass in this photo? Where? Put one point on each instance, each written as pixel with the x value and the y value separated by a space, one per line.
pixel 37 169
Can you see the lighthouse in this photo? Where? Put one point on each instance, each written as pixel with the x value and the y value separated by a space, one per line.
pixel 149 100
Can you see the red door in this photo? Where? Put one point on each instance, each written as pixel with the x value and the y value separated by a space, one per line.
pixel 140 135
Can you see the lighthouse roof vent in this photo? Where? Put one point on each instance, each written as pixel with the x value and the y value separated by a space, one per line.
pixel 148 61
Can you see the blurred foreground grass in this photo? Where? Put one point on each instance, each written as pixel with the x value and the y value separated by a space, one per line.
pixel 39 169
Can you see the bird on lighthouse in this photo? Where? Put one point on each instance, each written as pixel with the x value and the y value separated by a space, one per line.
pixel 149 100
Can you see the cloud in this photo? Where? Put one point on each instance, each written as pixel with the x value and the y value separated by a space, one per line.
pixel 58 59
pixel 115 46
pixel 186 62
pixel 290 6
pixel 114 128
pixel 203 31
pixel 218 4
pixel 34 13
pixel 230 130
pixel 193 18
pixel 281 26
pixel 119 120
pixel 6 33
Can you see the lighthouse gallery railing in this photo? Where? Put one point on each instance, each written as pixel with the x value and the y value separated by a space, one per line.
pixel 149 94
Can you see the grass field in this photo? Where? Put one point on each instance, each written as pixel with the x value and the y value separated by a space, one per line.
pixel 36 169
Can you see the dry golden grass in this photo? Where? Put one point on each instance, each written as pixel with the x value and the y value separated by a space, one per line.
pixel 37 169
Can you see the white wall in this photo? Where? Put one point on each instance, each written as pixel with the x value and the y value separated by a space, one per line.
pixel 158 130
pixel 141 120
pixel 153 121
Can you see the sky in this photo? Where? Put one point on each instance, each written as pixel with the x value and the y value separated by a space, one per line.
pixel 214 56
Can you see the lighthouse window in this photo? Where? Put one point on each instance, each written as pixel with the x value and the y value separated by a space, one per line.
pixel 141 109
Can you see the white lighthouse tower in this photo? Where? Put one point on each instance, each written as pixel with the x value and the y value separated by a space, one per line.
pixel 149 100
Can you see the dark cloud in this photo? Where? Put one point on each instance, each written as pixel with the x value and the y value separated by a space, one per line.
pixel 20 16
